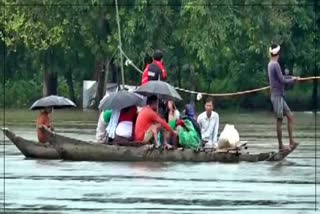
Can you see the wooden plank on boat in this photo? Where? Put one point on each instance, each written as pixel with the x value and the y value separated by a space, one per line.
pixel 78 150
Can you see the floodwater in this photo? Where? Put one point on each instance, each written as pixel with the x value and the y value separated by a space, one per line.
pixel 56 186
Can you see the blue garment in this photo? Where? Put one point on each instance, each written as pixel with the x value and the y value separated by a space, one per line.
pixel 190 115
pixel 190 110
pixel 276 79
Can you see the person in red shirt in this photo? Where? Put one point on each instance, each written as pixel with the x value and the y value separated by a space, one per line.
pixel 43 120
pixel 155 70
pixel 128 114
pixel 149 123
pixel 126 123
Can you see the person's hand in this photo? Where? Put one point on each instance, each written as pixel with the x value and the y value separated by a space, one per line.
pixel 46 144
pixel 296 79
pixel 175 132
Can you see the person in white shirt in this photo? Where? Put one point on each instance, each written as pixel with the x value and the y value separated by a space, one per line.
pixel 209 123
pixel 101 132
pixel 101 129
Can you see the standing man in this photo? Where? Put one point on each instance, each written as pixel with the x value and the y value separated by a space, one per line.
pixel 277 84
pixel 155 70
pixel 209 123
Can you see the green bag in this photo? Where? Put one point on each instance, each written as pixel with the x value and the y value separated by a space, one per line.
pixel 107 116
pixel 189 138
pixel 172 124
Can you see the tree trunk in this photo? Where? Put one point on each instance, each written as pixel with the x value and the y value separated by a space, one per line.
pixel 194 80
pixel 68 77
pixel 50 86
pixel 106 76
pixel 115 74
pixel 179 73
pixel 114 71
pixel 100 79
pixel 50 83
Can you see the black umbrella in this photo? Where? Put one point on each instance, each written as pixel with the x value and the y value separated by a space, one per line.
pixel 56 102
pixel 159 88
pixel 120 100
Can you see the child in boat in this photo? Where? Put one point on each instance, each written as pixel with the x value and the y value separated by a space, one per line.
pixel 44 120
pixel 172 114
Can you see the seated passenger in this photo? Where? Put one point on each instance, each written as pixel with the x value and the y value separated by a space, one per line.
pixel 172 114
pixel 149 123
pixel 209 124
pixel 101 132
pixel 189 112
pixel 127 118
pixel 188 136
pixel 167 110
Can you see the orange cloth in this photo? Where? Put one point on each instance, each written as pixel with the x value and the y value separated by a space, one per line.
pixel 145 119
pixel 44 120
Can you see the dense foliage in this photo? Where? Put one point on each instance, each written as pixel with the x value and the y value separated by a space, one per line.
pixel 213 46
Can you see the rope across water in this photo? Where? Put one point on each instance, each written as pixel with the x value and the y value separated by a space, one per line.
pixel 241 92
pixel 129 62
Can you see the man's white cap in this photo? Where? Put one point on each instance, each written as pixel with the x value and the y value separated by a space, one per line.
pixel 199 96
pixel 275 50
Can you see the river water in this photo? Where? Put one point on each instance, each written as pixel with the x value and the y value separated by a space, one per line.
pixel 56 186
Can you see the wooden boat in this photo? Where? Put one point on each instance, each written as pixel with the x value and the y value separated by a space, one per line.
pixel 31 149
pixel 71 149
pixel 78 150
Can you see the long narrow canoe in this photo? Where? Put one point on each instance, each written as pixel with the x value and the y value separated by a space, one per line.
pixel 31 149
pixel 78 150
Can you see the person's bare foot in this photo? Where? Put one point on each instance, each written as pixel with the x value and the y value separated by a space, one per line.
pixel 157 145
pixel 293 144
pixel 149 147
pixel 168 146
pixel 46 144
pixel 284 149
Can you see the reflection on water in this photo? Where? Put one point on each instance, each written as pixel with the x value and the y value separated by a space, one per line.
pixel 56 186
